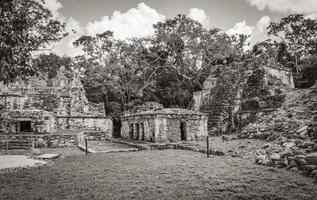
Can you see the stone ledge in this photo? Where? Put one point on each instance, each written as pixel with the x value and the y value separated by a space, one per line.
pixel 94 117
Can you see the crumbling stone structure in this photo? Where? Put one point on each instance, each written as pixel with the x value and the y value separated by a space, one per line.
pixel 263 91
pixel 236 94
pixel 164 125
pixel 41 105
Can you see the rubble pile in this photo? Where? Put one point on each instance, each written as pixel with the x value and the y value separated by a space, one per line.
pixel 292 120
pixel 292 133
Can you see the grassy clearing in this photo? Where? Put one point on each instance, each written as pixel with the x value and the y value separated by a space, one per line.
pixel 169 174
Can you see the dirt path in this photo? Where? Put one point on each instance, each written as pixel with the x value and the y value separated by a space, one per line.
pixel 13 161
pixel 168 174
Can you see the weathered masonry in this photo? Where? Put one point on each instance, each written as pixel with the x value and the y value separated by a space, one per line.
pixel 164 125
pixel 42 105
pixel 237 94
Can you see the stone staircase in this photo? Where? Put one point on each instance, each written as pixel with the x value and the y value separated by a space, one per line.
pixel 220 104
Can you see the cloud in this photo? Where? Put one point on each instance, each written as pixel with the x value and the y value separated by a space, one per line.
pixel 262 24
pixel 54 6
pixel 298 6
pixel 312 16
pixel 256 31
pixel 241 28
pixel 73 28
pixel 66 44
pixel 136 22
pixel 199 15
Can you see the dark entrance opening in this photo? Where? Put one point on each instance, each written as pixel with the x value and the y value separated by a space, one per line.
pixel 137 132
pixel 116 127
pixel 131 131
pixel 25 126
pixel 142 132
pixel 183 131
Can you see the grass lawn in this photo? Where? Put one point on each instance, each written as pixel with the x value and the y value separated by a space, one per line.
pixel 168 174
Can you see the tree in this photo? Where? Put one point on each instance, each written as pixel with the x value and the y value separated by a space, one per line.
pixel 115 67
pixel 26 26
pixel 298 35
pixel 165 67
pixel 187 51
pixel 50 64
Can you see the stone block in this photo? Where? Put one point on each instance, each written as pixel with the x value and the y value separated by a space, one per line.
pixel 311 159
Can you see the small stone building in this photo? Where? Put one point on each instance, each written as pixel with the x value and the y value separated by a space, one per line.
pixel 164 125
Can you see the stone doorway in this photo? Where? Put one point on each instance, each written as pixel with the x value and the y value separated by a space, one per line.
pixel 141 132
pixel 137 131
pixel 183 131
pixel 131 131
pixel 25 126
pixel 117 128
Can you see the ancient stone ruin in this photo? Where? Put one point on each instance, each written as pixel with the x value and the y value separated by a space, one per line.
pixel 51 108
pixel 237 94
pixel 164 125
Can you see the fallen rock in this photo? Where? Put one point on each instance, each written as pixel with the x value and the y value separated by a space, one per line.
pixel 288 145
pixel 36 151
pixel 275 156
pixel 311 167
pixel 302 163
pixel 266 146
pixel 48 156
pixel 294 169
pixel 315 147
pixel 303 135
pixel 299 157
pixel 311 159
pixel 291 165
pixel 305 145
pixel 302 130
pixel 262 160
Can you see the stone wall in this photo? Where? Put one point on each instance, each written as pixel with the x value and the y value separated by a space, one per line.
pixel 58 140
pixel 46 140
pixel 84 123
pixel 40 121
pixel 200 97
pixel 129 125
pixel 196 129
pixel 279 74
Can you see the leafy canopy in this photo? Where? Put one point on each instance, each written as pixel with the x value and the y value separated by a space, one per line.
pixel 166 67
pixel 298 35
pixel 26 26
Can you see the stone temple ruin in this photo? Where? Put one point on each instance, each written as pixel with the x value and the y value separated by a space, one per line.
pixel 50 107
pixel 164 125
pixel 240 93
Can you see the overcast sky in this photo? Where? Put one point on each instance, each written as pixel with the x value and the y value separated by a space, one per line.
pixel 129 18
